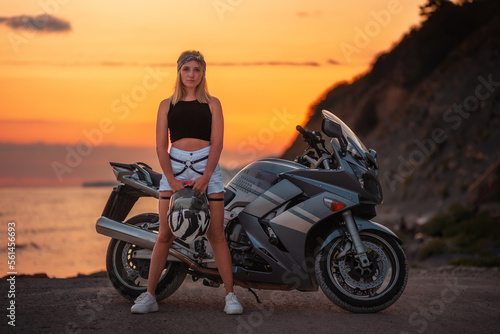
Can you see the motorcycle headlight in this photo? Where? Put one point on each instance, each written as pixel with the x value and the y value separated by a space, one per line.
pixel 367 181
pixel 359 172
pixel 372 186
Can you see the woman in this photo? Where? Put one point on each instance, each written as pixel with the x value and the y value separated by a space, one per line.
pixel 194 121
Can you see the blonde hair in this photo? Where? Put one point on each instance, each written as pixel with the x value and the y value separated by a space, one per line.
pixel 202 94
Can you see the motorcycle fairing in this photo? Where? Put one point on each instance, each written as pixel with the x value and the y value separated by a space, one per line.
pixel 283 265
pixel 292 226
pixel 313 182
pixel 272 198
pixel 255 179
pixel 335 180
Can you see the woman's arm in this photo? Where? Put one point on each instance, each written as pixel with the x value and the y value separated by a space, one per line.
pixel 162 145
pixel 216 143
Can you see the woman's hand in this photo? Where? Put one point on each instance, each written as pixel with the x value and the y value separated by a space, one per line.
pixel 200 184
pixel 176 184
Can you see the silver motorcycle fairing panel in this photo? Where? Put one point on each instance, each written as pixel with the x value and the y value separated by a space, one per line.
pixel 256 178
pixel 363 225
pixel 339 181
pixel 272 198
pixel 302 216
pixel 314 181
pixel 247 187
pixel 292 226
pixel 285 269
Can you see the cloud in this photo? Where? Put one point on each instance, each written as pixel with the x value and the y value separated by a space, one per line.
pixel 222 64
pixel 266 63
pixel 332 62
pixel 305 14
pixel 133 64
pixel 118 63
pixel 41 23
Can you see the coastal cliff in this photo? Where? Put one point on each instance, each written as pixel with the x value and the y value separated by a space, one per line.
pixel 430 107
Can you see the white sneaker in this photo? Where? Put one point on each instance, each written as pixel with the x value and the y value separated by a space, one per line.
pixel 145 303
pixel 233 306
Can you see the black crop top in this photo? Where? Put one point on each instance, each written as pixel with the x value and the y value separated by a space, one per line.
pixel 189 119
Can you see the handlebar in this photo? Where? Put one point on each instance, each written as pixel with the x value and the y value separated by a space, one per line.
pixel 313 139
pixel 302 131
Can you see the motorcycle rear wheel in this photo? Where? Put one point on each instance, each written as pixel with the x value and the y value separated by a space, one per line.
pixel 130 276
pixel 363 290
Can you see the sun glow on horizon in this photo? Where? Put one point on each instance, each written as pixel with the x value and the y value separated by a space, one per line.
pixel 267 63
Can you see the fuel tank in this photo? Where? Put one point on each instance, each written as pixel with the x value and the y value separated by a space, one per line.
pixel 255 179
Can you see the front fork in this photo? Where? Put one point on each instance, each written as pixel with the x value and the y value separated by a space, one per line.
pixel 358 245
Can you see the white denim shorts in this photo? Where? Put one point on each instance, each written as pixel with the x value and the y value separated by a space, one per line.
pixel 215 184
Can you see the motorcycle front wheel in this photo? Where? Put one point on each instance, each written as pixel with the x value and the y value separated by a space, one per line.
pixel 129 275
pixel 363 290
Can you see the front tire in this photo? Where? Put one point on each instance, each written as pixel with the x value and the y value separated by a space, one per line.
pixel 363 290
pixel 129 275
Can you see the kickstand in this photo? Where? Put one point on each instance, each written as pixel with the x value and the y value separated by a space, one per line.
pixel 256 297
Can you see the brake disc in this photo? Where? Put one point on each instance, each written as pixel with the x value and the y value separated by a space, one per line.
pixel 135 268
pixel 126 260
pixel 365 278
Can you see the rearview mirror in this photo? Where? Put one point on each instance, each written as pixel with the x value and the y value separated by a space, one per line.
pixel 334 130
pixel 331 129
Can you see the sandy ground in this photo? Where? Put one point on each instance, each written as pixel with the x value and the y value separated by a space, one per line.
pixel 443 300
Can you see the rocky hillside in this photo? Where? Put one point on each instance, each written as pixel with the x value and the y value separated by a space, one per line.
pixel 430 107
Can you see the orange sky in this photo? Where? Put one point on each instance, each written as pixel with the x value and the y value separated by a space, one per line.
pixel 108 74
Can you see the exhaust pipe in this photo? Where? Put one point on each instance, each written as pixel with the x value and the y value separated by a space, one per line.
pixel 143 238
pixel 146 239
pixel 126 232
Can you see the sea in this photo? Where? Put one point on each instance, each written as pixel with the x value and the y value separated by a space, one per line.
pixel 54 229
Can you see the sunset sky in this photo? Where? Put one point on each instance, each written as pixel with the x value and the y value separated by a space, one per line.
pixel 101 80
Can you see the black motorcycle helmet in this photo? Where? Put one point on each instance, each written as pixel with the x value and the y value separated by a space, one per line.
pixel 188 215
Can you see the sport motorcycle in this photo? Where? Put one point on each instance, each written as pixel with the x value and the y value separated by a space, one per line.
pixel 289 225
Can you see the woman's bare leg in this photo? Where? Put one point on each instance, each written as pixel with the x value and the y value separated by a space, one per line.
pixel 162 245
pixel 218 242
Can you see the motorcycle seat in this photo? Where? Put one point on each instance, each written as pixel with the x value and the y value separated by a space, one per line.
pixel 156 177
